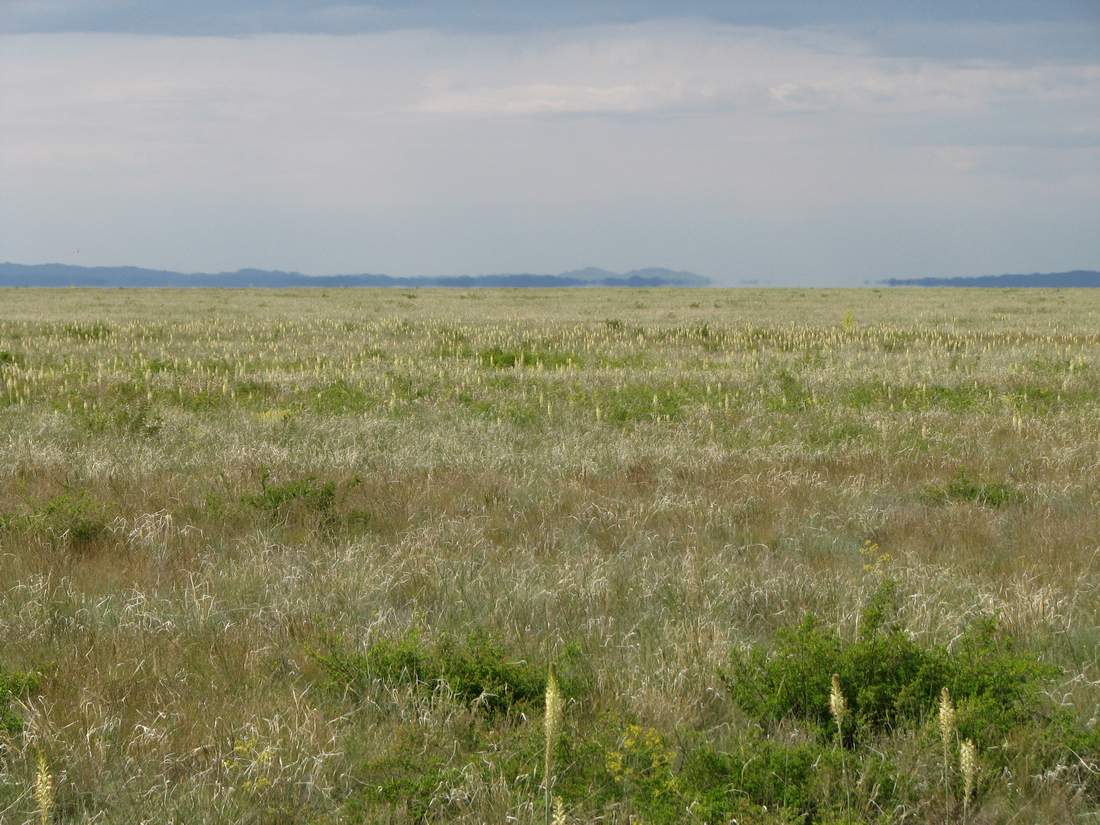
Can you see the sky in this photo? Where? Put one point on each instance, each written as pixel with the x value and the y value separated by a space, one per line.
pixel 782 141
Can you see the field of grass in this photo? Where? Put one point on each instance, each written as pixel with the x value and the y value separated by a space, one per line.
pixel 305 557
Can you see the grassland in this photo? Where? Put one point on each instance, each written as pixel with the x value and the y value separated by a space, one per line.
pixel 304 557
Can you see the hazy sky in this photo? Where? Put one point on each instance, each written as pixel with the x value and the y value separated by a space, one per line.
pixel 759 140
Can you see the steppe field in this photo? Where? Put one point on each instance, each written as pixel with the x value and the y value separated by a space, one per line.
pixel 585 556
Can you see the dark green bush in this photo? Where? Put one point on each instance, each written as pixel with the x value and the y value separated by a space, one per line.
pixel 888 678
pixel 411 778
pixel 757 780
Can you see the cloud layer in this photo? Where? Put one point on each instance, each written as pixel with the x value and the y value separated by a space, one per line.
pixel 738 151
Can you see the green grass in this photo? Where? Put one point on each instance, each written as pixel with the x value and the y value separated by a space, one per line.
pixel 15 685
pixel 306 558
pixel 961 488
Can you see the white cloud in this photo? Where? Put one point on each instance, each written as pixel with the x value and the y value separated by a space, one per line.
pixel 681 67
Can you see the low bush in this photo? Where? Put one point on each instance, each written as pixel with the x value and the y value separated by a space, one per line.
pixel 758 778
pixel 890 679
pixel 15 685
pixel 275 498
pixel 73 519
pixel 754 779
pixel 476 669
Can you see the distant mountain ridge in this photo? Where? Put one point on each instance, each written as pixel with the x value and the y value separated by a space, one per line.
pixel 65 275
pixel 1073 279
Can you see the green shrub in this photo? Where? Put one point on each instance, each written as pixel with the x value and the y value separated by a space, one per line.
pixel 411 778
pixel 757 780
pixel 888 678
pixel 73 518
pixel 476 669
pixel 76 517
pixel 15 685
pixel 759 774
pixel 405 783
pixel 275 498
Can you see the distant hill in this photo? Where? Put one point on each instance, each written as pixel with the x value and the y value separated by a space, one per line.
pixel 63 275
pixel 1075 278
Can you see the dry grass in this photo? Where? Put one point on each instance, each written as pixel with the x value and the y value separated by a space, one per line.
pixel 654 478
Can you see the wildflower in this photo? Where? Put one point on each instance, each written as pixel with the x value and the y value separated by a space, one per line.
pixel 43 790
pixel 838 705
pixel 552 723
pixel 947 724
pixel 968 764
pixel 559 812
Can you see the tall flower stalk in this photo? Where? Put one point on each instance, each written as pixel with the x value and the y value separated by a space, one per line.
pixel 43 790
pixel 552 724
pixel 838 707
pixel 968 765
pixel 947 730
